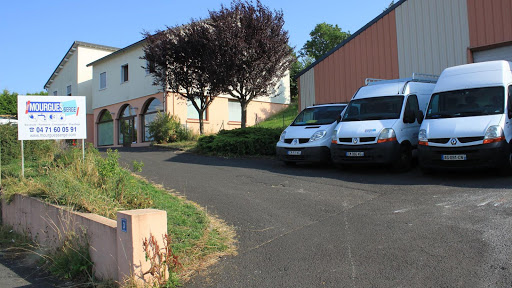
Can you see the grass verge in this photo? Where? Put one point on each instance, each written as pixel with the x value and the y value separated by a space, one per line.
pixel 282 119
pixel 100 185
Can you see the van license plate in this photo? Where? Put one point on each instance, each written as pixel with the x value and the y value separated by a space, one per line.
pixel 294 152
pixel 453 157
pixel 355 154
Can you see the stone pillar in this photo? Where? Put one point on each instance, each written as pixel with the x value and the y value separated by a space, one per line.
pixel 133 227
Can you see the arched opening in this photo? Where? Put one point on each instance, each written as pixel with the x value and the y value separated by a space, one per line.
pixel 152 107
pixel 105 128
pixel 127 125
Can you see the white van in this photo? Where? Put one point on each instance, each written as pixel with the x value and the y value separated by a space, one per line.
pixel 468 120
pixel 308 138
pixel 381 123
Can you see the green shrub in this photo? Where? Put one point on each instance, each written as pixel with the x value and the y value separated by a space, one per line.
pixel 34 149
pixel 167 128
pixel 240 142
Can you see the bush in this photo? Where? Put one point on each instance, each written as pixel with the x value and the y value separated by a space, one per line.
pixel 167 128
pixel 34 149
pixel 240 142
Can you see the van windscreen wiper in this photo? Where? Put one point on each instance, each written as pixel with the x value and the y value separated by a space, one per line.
pixel 351 119
pixel 439 115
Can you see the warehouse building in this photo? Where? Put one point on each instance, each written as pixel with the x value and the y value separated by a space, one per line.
pixel 412 36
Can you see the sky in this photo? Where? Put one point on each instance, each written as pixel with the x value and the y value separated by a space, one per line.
pixel 35 34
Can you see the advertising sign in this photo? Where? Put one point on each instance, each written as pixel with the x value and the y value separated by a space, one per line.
pixel 51 117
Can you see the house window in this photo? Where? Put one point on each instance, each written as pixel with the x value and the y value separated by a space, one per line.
pixel 105 129
pixel 55 93
pixel 148 115
pixel 124 73
pixel 68 90
pixel 150 67
pixel 234 111
pixel 103 80
pixel 192 112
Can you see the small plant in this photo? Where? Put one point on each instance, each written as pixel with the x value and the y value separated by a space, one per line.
pixel 163 261
pixel 137 166
pixel 72 259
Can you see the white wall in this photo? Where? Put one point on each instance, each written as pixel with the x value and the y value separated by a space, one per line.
pixel 87 55
pixel 138 85
pixel 432 35
pixel 67 76
pixel 307 89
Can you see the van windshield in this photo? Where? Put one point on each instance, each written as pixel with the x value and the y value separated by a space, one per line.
pixel 321 115
pixel 467 102
pixel 374 108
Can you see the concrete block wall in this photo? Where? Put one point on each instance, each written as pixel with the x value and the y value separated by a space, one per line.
pixel 115 246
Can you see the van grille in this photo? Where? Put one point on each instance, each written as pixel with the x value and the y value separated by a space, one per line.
pixel 301 140
pixel 361 140
pixel 470 139
pixel 439 140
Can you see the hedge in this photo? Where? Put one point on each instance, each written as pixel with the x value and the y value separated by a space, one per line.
pixel 241 142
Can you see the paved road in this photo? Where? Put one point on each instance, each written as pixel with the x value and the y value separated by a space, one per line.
pixel 314 226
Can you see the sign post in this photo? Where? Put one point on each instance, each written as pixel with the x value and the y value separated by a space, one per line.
pixel 51 118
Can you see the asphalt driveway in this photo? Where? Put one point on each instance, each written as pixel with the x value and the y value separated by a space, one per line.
pixel 316 226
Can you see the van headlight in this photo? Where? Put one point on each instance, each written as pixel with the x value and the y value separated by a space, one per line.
pixel 422 137
pixel 334 138
pixel 281 138
pixel 387 135
pixel 318 135
pixel 493 134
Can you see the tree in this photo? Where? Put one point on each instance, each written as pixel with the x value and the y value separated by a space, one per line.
pixel 253 50
pixel 323 38
pixel 8 103
pixel 185 62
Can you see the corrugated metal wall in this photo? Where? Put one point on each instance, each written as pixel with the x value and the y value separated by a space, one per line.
pixel 373 53
pixel 490 21
pixel 432 35
pixel 307 89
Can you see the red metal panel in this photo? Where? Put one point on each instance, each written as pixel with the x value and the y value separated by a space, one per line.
pixel 373 53
pixel 489 22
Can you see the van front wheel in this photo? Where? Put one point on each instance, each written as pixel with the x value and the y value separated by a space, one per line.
pixel 404 162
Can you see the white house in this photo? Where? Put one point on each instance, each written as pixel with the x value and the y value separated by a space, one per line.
pixel 124 101
pixel 73 77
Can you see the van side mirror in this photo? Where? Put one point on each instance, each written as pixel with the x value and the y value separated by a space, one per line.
pixel 409 116
pixel 420 116
pixel 338 119
pixel 509 113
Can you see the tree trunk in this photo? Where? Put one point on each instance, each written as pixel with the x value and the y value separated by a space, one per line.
pixel 201 124
pixel 244 114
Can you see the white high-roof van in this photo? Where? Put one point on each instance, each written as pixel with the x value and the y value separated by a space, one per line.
pixel 382 121
pixel 468 120
pixel 308 138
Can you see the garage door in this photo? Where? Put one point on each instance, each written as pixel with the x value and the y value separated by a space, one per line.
pixel 502 53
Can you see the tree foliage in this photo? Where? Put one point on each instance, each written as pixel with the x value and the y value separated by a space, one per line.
pixel 253 50
pixel 186 60
pixel 323 38
pixel 8 103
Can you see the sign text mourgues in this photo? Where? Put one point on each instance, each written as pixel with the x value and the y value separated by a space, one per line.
pixel 51 117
